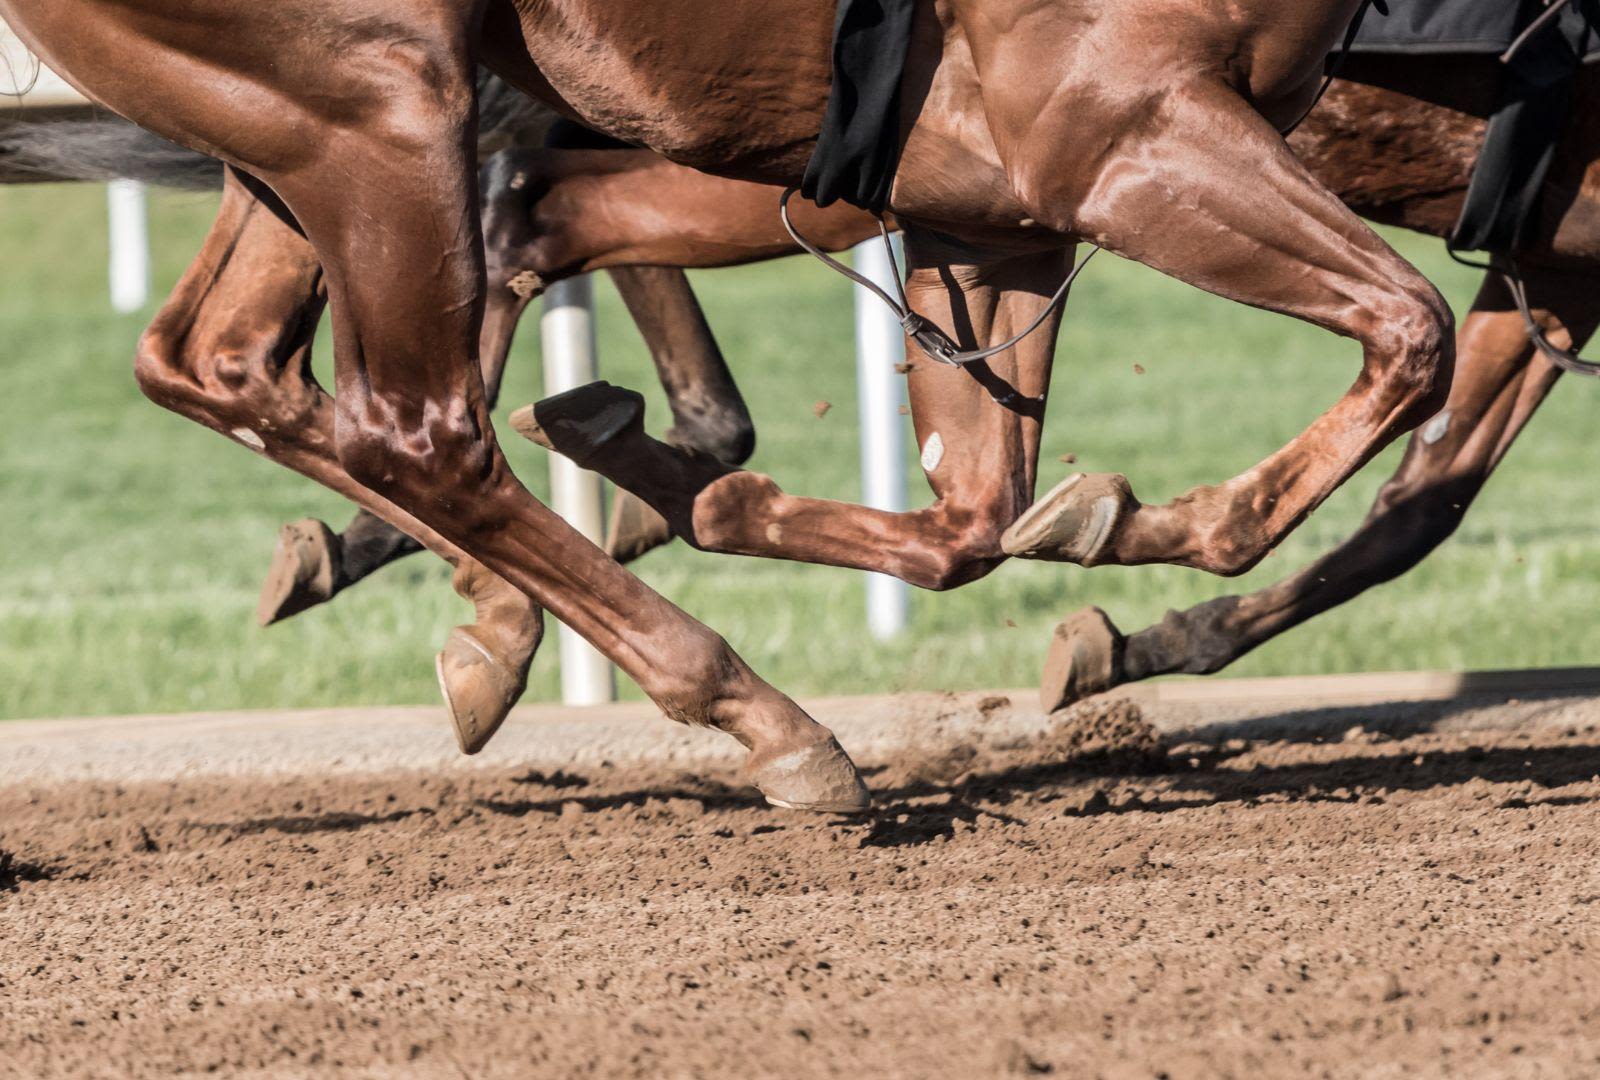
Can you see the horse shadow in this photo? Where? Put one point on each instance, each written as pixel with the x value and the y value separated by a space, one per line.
pixel 919 813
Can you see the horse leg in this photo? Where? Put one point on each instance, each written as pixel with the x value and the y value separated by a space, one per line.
pixel 566 212
pixel 1210 194
pixel 978 426
pixel 392 217
pixel 526 192
pixel 231 349
pixel 708 412
pixel 311 563
pixel 1500 381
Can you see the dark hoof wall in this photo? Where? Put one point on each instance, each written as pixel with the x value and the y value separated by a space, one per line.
pixel 1074 522
pixel 304 571
pixel 579 423
pixel 1085 659
pixel 818 776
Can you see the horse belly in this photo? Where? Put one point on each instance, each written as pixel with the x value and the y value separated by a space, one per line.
pixel 730 86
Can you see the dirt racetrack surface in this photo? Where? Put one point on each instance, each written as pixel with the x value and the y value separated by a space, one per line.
pixel 1078 897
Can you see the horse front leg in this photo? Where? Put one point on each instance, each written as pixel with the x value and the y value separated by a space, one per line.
pixel 1500 381
pixel 391 215
pixel 231 349
pixel 1207 192
pixel 978 428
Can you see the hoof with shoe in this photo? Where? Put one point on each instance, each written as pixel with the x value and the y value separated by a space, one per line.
pixel 305 571
pixel 579 423
pixel 479 688
pixel 1085 659
pixel 1074 522
pixel 635 528
pixel 816 776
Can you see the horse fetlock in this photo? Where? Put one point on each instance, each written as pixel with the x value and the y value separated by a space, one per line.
pixel 727 515
pixel 512 623
pixel 729 437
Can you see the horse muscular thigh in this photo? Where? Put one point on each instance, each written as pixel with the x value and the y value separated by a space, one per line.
pixel 231 348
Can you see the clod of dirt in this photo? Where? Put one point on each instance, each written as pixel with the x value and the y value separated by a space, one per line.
pixel 1112 730
pixel 994 704
pixel 929 770
pixel 820 409
pixel 1069 459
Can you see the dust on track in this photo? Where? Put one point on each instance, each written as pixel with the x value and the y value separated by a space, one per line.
pixel 1090 901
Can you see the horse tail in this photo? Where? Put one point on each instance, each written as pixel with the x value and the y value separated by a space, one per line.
pixel 100 150
pixel 111 149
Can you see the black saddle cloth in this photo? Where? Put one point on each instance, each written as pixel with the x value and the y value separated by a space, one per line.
pixel 1535 98
pixel 1462 27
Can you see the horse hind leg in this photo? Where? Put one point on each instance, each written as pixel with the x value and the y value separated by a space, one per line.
pixel 1213 196
pixel 709 415
pixel 231 350
pixel 979 427
pixel 413 423
pixel 1500 382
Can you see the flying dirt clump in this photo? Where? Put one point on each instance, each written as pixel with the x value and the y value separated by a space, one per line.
pixel 1101 731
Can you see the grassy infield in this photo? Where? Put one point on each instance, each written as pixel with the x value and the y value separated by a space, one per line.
pixel 134 541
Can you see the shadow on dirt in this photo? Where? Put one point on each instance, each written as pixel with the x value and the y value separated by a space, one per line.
pixel 15 872
pixel 301 825
pixel 710 796
pixel 919 813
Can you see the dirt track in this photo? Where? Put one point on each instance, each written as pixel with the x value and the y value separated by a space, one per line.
pixel 1331 904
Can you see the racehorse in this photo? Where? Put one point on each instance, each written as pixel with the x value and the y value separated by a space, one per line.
pixel 1398 146
pixel 255 298
pixel 1153 132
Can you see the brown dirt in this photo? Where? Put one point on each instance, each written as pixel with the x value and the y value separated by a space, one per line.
pixel 1086 902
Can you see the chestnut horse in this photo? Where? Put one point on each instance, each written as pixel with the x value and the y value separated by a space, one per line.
pixel 1398 147
pixel 1148 127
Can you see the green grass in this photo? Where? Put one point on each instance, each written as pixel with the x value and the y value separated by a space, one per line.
pixel 133 541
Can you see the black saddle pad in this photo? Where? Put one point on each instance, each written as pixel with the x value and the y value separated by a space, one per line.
pixel 1461 27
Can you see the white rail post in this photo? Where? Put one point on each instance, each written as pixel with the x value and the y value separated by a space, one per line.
pixel 880 345
pixel 566 331
pixel 130 246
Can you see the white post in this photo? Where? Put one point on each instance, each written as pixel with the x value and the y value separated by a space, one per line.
pixel 566 330
pixel 880 345
pixel 130 246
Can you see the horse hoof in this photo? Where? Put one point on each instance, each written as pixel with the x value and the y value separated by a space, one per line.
pixel 818 776
pixel 479 688
pixel 1073 522
pixel 579 423
pixel 1085 658
pixel 304 571
pixel 635 528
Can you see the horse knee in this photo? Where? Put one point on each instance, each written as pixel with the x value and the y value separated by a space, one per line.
pixel 702 672
pixel 730 436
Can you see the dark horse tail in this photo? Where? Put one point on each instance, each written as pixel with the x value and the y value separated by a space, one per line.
pixel 102 149
pixel 109 148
